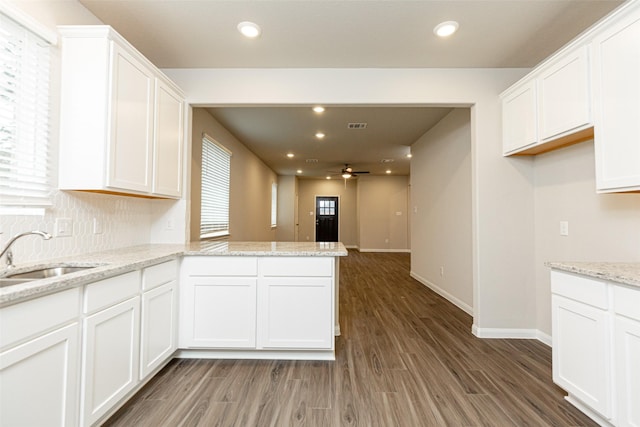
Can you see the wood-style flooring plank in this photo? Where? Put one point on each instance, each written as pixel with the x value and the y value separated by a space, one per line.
pixel 406 358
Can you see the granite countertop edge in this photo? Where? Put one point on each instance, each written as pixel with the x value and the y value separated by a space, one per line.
pixel 627 273
pixel 113 262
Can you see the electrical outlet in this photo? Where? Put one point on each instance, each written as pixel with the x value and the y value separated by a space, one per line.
pixel 97 226
pixel 64 227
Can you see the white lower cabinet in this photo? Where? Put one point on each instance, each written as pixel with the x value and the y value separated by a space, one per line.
pixel 39 359
pixel 257 303
pixel 627 355
pixel 38 380
pixel 297 313
pixel 596 346
pixel 158 330
pixel 581 362
pixel 111 352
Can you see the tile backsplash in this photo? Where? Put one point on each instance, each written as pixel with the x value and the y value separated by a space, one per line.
pixel 121 221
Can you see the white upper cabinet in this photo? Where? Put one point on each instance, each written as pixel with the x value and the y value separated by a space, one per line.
pixel 564 95
pixel 121 119
pixel 168 146
pixel 520 117
pixel 550 107
pixel 131 124
pixel 616 72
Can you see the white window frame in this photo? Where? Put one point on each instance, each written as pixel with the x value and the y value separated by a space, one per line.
pixel 26 180
pixel 274 205
pixel 214 195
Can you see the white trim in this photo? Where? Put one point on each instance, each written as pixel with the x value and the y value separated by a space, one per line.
pixel 505 333
pixel 408 251
pixel 26 20
pixel 452 299
pixel 352 247
pixel 587 410
pixel 543 338
pixel 257 355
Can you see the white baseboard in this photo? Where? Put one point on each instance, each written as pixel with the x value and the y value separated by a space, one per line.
pixel 352 247
pixel 408 251
pixel 513 333
pixel 452 299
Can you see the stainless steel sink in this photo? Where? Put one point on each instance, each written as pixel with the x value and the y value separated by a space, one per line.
pixel 44 273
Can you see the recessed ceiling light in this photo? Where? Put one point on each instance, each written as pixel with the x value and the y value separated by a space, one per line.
pixel 318 109
pixel 409 156
pixel 388 170
pixel 445 29
pixel 299 171
pixel 328 177
pixel 249 29
pixel 319 135
pixel 290 155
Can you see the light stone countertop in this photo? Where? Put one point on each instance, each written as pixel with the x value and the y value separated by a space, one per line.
pixel 627 273
pixel 118 261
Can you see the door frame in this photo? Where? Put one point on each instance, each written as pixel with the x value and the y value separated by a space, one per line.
pixel 315 204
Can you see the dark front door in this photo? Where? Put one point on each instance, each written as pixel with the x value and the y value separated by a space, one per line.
pixel 326 219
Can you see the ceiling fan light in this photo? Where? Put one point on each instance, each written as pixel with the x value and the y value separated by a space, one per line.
pixel 346 175
pixel 249 29
pixel 445 29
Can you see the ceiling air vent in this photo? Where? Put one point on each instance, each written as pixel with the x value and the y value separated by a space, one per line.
pixel 356 125
pixel 311 160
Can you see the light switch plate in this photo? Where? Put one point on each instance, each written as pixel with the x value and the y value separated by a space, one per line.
pixel 564 228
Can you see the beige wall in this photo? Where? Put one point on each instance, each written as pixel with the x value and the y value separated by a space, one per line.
pixel 382 213
pixel 250 186
pixel 441 209
pixel 602 227
pixel 308 189
pixel 287 198
pixel 502 190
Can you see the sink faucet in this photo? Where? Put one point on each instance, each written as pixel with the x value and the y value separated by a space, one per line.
pixel 7 248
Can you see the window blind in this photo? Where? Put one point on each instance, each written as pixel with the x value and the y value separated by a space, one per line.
pixel 214 204
pixel 25 171
pixel 274 204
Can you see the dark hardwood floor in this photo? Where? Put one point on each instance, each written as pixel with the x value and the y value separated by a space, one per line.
pixel 406 357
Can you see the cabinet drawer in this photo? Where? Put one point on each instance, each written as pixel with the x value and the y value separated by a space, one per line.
pixel 626 301
pixel 580 288
pixel 220 266
pixel 157 275
pixel 297 266
pixel 24 320
pixel 111 291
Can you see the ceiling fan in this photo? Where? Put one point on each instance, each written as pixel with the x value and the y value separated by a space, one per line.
pixel 347 171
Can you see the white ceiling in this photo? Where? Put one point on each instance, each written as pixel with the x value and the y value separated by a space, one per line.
pixel 343 34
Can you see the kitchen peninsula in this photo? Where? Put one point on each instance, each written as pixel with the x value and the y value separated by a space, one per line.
pixel 90 339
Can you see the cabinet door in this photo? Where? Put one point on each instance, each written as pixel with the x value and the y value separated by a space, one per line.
pixel 131 123
pixel 581 360
pixel 627 358
pixel 219 312
pixel 519 118
pixel 564 95
pixel 158 332
pixel 111 358
pixel 296 312
pixel 39 380
pixel 168 142
pixel 616 73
